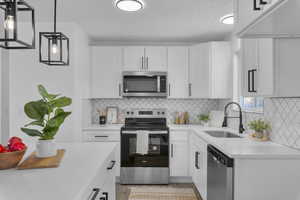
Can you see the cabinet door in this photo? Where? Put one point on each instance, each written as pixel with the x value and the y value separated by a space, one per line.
pixel 246 13
pixel 178 62
pixel 156 58
pixel 265 67
pixel 199 71
pixel 134 58
pixel 220 70
pixel 106 72
pixel 179 159
pixel 109 187
pixel 249 66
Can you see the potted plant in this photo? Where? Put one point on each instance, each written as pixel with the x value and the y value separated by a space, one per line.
pixel 47 115
pixel 261 129
pixel 204 119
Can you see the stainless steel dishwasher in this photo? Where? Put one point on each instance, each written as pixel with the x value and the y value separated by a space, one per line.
pixel 219 175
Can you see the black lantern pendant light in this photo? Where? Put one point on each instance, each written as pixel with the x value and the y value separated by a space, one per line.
pixel 56 49
pixel 10 34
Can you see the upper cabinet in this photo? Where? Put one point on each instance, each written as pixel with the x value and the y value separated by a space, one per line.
pixel 266 18
pixel 151 58
pixel 210 70
pixel 258 67
pixel 106 72
pixel 269 67
pixel 178 76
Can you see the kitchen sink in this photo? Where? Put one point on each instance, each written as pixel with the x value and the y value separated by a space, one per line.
pixel 222 134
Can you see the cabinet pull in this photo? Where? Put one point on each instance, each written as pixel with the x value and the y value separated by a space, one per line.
pixel 249 80
pixel 94 194
pixel 105 196
pixel 172 151
pixel 255 8
pixel 120 92
pixel 112 164
pixel 142 62
pixel 190 89
pixel 169 89
pixel 197 160
pixel 101 136
pixel 262 2
pixel 253 80
pixel 147 63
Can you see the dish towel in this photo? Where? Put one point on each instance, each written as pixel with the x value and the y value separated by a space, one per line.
pixel 142 142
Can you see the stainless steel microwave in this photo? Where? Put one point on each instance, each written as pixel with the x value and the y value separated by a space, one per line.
pixel 144 84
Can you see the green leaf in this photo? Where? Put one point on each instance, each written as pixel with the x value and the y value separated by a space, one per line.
pixel 58 119
pixel 49 132
pixel 43 92
pixel 32 132
pixel 36 123
pixel 61 102
pixel 59 110
pixel 36 109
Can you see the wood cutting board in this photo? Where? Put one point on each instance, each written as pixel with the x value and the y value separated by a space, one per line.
pixel 33 162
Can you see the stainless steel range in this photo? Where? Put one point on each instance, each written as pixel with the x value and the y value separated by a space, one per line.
pixel 145 147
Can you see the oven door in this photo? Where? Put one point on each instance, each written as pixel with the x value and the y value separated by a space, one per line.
pixel 156 151
pixel 141 84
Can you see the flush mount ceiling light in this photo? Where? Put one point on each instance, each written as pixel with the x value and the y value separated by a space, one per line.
pixel 12 11
pixel 56 50
pixel 227 19
pixel 130 5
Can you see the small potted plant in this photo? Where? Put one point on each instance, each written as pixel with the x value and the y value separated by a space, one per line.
pixel 47 115
pixel 261 129
pixel 204 119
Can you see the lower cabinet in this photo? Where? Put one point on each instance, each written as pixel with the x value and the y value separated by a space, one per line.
pixel 106 136
pixel 103 185
pixel 179 160
pixel 198 164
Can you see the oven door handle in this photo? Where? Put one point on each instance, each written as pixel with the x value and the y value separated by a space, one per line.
pixel 148 132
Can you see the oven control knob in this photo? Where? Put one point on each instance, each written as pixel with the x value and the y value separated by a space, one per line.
pixel 163 113
pixel 128 113
pixel 132 113
pixel 158 113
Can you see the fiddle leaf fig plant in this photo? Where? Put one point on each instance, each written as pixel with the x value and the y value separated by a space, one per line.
pixel 47 114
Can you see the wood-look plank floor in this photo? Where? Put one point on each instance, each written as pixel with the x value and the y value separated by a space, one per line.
pixel 123 190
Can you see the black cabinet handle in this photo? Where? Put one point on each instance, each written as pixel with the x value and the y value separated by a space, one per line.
pixel 253 80
pixel 262 2
pixel 197 160
pixel 94 194
pixel 101 136
pixel 172 152
pixel 169 89
pixel 249 80
pixel 112 164
pixel 255 8
pixel 105 195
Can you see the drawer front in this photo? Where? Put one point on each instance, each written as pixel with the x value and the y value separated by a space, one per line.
pixel 101 136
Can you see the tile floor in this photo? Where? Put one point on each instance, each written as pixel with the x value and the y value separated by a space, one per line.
pixel 123 190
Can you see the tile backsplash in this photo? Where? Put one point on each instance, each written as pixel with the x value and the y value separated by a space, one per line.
pixel 193 106
pixel 284 116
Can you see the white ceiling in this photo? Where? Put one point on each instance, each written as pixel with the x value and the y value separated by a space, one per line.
pixel 160 21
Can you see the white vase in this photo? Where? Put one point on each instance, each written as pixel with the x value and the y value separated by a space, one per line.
pixel 46 148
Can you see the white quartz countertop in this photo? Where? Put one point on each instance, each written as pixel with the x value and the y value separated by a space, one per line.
pixel 111 127
pixel 79 166
pixel 233 147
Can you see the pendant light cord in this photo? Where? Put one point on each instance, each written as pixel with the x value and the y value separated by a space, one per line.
pixel 55 15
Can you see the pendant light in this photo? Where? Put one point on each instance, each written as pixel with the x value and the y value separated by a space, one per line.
pixel 56 49
pixel 10 34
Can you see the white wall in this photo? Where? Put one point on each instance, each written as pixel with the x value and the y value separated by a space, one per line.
pixel 25 73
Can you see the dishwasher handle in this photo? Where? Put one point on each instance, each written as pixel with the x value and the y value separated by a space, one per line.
pixel 219 156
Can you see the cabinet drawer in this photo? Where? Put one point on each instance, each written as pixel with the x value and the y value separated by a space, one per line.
pixel 101 136
pixel 179 136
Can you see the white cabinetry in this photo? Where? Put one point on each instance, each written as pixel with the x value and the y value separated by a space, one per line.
pixel 105 136
pixel 198 164
pixel 178 63
pixel 106 72
pixel 210 70
pixel 103 184
pixel 179 161
pixel 258 67
pixel 151 58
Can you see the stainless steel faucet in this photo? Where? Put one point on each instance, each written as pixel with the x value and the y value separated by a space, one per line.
pixel 225 122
